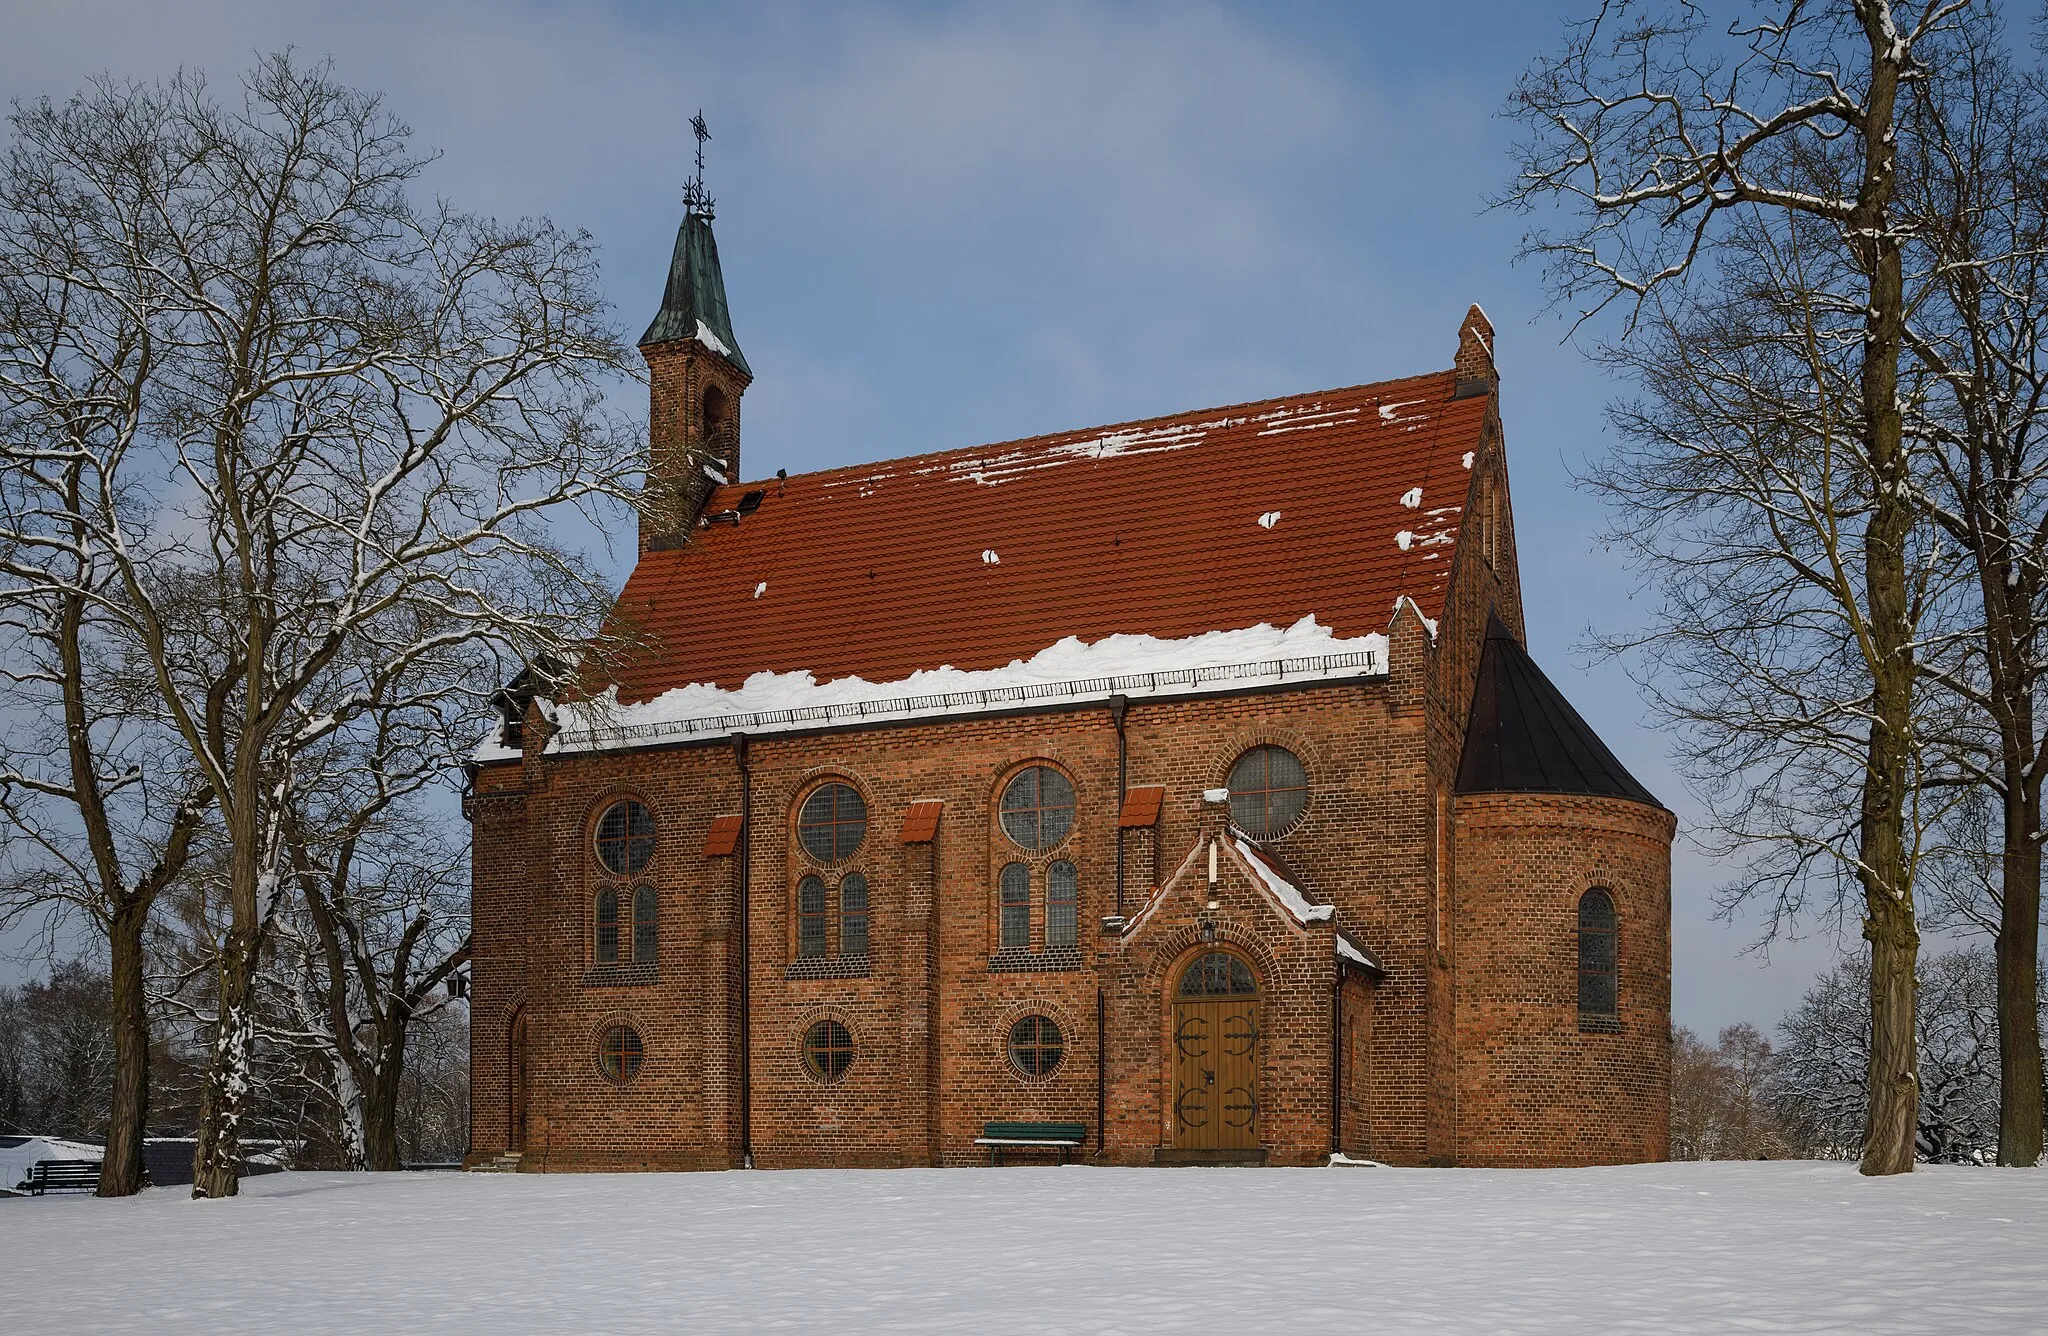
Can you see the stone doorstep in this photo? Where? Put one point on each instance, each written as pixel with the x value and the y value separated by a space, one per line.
pixel 506 1163
pixel 1174 1156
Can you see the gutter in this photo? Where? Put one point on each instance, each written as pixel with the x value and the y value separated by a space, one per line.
pixel 1119 707
pixel 739 752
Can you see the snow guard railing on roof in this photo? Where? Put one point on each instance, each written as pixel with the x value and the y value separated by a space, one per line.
pixel 1172 681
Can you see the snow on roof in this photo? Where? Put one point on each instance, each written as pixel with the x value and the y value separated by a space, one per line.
pixel 1352 951
pixel 1285 891
pixel 1137 528
pixel 1130 665
pixel 16 1159
pixel 711 341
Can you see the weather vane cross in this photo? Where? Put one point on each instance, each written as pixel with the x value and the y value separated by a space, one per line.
pixel 693 192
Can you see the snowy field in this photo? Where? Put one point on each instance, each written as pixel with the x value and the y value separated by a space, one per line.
pixel 1661 1248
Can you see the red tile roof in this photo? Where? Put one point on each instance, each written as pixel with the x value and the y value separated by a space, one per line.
pixel 1164 527
pixel 921 822
pixel 1141 807
pixel 723 837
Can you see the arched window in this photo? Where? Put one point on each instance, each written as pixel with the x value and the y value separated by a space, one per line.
pixel 1268 792
pixel 1016 907
pixel 646 910
pixel 619 1052
pixel 1062 905
pixel 625 837
pixel 1036 1045
pixel 1599 957
pixel 853 915
pixel 1038 807
pixel 607 927
pixel 1217 974
pixel 832 823
pixel 828 1050
pixel 715 409
pixel 810 917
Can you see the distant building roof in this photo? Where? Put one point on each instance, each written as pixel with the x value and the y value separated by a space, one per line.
pixel 1333 504
pixel 693 303
pixel 1524 736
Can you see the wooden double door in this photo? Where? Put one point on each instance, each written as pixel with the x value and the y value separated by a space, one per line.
pixel 1216 1056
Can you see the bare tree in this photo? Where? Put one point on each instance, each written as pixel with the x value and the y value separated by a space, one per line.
pixel 1669 138
pixel 1699 1083
pixel 1975 192
pixel 380 925
pixel 318 426
pixel 1818 1087
pixel 1722 1105
pixel 97 809
pixel 56 1055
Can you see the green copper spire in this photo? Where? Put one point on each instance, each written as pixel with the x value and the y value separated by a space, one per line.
pixel 693 306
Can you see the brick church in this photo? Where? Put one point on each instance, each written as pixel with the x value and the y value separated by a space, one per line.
pixel 1172 792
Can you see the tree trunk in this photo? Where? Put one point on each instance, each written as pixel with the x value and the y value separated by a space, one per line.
pixel 1885 863
pixel 1893 1122
pixel 2018 949
pixel 223 1099
pixel 380 1109
pixel 121 1172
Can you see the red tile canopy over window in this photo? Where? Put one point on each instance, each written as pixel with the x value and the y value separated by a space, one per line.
pixel 921 822
pixel 723 837
pixel 1141 807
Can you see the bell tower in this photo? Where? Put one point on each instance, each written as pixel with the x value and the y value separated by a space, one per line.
pixel 696 375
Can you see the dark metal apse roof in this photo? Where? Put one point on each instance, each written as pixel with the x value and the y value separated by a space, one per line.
pixel 1524 736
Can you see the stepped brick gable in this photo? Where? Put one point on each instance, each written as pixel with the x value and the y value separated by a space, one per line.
pixel 1186 782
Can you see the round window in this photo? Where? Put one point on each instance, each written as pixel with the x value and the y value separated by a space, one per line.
pixel 619 1052
pixel 625 837
pixel 828 1050
pixel 1036 1045
pixel 1268 792
pixel 832 823
pixel 1038 807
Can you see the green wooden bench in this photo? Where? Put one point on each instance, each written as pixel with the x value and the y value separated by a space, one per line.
pixel 61 1176
pixel 1062 1137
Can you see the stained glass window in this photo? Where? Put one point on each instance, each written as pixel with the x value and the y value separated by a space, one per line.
pixel 625 837
pixel 646 912
pixel 1062 905
pixel 832 823
pixel 810 917
pixel 853 915
pixel 607 927
pixel 1036 1045
pixel 1217 974
pixel 1038 807
pixel 1599 973
pixel 828 1050
pixel 1016 907
pixel 619 1052
pixel 1268 792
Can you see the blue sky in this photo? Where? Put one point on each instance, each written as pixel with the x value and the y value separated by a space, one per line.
pixel 949 224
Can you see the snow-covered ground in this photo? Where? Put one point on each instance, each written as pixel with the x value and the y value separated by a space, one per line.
pixel 1660 1248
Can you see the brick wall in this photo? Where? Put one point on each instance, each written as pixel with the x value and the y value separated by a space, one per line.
pixel 679 375
pixel 1449 1057
pixel 1534 1086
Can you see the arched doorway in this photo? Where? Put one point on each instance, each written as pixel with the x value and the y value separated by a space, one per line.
pixel 1216 1054
pixel 515 1087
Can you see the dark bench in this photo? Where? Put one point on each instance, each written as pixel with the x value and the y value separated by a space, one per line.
pixel 62 1176
pixel 1062 1137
